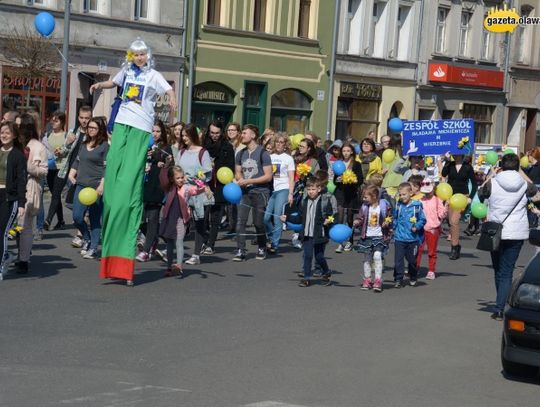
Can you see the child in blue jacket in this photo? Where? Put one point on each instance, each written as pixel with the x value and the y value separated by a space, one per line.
pixel 409 221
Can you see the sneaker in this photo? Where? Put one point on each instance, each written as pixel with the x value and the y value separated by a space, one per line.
pixel 261 253
pixel 193 260
pixel 326 280
pixel 141 240
pixel 300 274
pixel 77 242
pixel 85 247
pixel 168 273
pixel 38 235
pixel 177 270
pixel 412 283
pixel 304 283
pixel 91 254
pixel 398 284
pixel 130 283
pixel 207 250
pixel 240 255
pixel 366 284
pixel 272 250
pixel 162 255
pixel 230 234
pixel 143 257
pixel 9 258
pixel 297 244
pixel 339 249
pixel 377 285
pixel 348 247
pixel 430 275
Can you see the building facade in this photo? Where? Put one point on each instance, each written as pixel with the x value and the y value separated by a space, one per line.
pixel 376 65
pixel 264 62
pixel 100 33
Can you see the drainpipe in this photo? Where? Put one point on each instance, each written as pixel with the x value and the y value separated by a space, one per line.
pixel 65 51
pixel 195 11
pixel 419 43
pixel 183 67
pixel 506 84
pixel 332 71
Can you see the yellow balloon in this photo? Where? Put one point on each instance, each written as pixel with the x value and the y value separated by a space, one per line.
pixel 295 140
pixel 388 155
pixel 524 161
pixel 458 202
pixel 88 196
pixel 225 175
pixel 444 191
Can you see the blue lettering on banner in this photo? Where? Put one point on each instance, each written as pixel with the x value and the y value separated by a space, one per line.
pixel 432 137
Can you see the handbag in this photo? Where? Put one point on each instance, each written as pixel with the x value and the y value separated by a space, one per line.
pixel 115 107
pixel 491 232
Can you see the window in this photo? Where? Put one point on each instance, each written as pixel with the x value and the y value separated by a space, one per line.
pixel 90 5
pixel 522 41
pixel 378 29
pixel 42 3
pixel 464 30
pixel 141 9
pixel 403 34
pixel 486 51
pixel 303 18
pixel 482 116
pixel 214 12
pixel 440 34
pixel 290 111
pixel 425 114
pixel 259 16
pixel 353 29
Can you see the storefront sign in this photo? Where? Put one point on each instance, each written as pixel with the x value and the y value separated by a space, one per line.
pixel 360 91
pixel 16 81
pixel 431 137
pixel 212 92
pixel 445 73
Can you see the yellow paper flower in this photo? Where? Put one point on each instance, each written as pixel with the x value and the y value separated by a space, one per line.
pixel 330 219
pixel 388 219
pixel 481 159
pixel 303 169
pixel 132 92
pixel 349 177
pixel 201 174
pixel 412 219
pixel 274 168
pixel 429 161
pixel 130 55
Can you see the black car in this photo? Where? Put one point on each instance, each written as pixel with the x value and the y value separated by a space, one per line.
pixel 520 350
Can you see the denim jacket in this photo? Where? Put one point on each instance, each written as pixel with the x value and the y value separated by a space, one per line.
pixel 403 222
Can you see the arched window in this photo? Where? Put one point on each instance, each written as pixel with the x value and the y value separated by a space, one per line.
pixel 291 110
pixel 212 101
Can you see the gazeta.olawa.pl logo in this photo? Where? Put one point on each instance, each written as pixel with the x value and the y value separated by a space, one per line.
pixel 506 20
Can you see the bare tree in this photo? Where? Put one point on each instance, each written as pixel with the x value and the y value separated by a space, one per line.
pixel 30 54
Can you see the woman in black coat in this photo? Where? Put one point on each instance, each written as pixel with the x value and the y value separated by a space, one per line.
pixel 222 154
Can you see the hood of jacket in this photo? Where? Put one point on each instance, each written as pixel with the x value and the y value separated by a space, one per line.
pixel 510 181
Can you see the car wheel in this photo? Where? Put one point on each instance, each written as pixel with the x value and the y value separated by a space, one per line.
pixel 516 369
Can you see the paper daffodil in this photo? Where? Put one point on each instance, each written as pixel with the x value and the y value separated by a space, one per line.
pixel 130 55
pixel 201 174
pixel 349 177
pixel 388 219
pixel 303 169
pixel 429 161
pixel 412 219
pixel 330 219
pixel 132 92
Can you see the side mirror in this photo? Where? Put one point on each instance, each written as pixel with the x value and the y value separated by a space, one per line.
pixel 534 237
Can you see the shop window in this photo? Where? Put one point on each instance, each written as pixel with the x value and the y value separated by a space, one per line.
pixel 464 33
pixel 212 101
pixel 425 114
pixel 482 116
pixel 213 13
pixel 447 114
pixel 356 118
pixel 290 111
pixel 303 18
pixel 259 16
pixel 440 34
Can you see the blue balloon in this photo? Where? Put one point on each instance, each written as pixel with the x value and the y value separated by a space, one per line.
pixel 51 162
pixel 340 232
pixel 357 149
pixel 295 227
pixel 232 193
pixel 44 23
pixel 339 167
pixel 151 142
pixel 395 125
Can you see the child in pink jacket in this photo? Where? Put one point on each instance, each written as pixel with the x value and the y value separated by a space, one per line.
pixel 435 211
pixel 176 215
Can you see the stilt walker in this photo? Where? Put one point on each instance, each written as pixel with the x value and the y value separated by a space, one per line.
pixel 122 196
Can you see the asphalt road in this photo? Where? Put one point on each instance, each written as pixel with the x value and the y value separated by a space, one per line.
pixel 232 334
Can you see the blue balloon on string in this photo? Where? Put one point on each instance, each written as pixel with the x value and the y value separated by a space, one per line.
pixel 151 142
pixel 44 23
pixel 357 149
pixel 340 232
pixel 294 222
pixel 51 162
pixel 339 167
pixel 395 125
pixel 232 193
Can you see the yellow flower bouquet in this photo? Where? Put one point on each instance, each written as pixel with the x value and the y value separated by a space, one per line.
pixel 349 177
pixel 303 169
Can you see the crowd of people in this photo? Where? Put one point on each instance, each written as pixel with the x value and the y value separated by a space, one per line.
pixel 150 194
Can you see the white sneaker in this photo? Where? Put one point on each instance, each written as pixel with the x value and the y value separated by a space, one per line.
pixel 430 275
pixel 339 249
pixel 193 260
pixel 348 247
pixel 77 242
pixel 162 255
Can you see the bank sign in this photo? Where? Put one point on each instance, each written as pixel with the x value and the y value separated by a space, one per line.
pixel 434 137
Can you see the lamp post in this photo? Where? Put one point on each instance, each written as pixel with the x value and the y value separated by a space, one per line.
pixel 65 53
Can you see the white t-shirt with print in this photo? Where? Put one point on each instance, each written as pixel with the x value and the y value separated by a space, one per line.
pixel 139 97
pixel 281 165
pixel 373 225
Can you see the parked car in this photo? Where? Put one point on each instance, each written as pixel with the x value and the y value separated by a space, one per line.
pixel 520 348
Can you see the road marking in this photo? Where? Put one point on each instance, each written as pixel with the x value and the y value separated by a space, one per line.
pixel 272 404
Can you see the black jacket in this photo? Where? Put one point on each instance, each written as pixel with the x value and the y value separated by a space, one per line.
pixel 16 177
pixel 222 153
pixel 153 194
pixel 321 214
pixel 459 180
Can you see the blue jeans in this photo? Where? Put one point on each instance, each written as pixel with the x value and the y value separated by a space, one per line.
pixel 94 213
pixel 40 219
pixel 316 250
pixel 273 224
pixel 504 261
pixel 402 251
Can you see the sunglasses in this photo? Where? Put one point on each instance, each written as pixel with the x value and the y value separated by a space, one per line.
pixel 426 184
